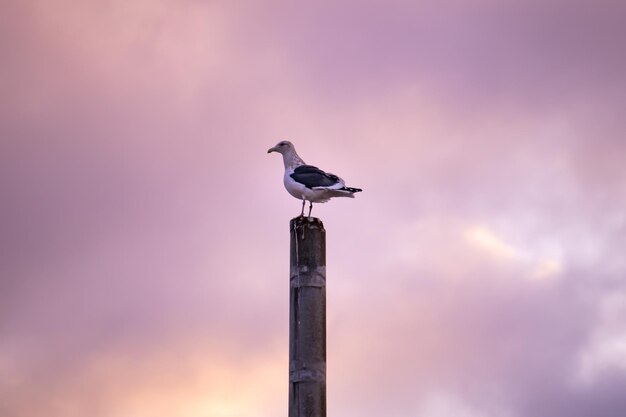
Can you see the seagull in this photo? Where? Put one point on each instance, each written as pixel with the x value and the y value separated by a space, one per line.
pixel 309 183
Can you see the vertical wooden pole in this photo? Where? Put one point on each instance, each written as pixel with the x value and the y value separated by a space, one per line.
pixel 307 318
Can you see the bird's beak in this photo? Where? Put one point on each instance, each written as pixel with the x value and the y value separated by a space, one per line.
pixel 270 150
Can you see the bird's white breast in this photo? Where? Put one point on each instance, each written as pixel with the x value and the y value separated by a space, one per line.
pixel 294 188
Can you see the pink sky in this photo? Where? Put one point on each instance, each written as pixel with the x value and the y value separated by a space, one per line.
pixel 144 229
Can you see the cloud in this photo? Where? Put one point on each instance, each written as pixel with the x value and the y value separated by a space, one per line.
pixel 487 241
pixel 144 240
pixel 606 350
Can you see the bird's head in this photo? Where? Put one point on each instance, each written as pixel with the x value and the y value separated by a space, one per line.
pixel 281 147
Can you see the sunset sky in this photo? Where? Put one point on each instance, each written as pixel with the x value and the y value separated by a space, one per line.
pixel 144 230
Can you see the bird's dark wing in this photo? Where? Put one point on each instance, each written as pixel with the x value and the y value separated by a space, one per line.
pixel 312 177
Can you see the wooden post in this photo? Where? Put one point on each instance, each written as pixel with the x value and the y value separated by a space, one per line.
pixel 307 318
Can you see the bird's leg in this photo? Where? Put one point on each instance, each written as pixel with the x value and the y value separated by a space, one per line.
pixel 310 207
pixel 303 203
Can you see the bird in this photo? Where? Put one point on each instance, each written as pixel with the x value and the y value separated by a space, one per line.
pixel 307 182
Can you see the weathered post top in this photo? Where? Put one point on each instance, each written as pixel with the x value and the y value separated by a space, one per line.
pixel 307 222
pixel 307 318
pixel 308 242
